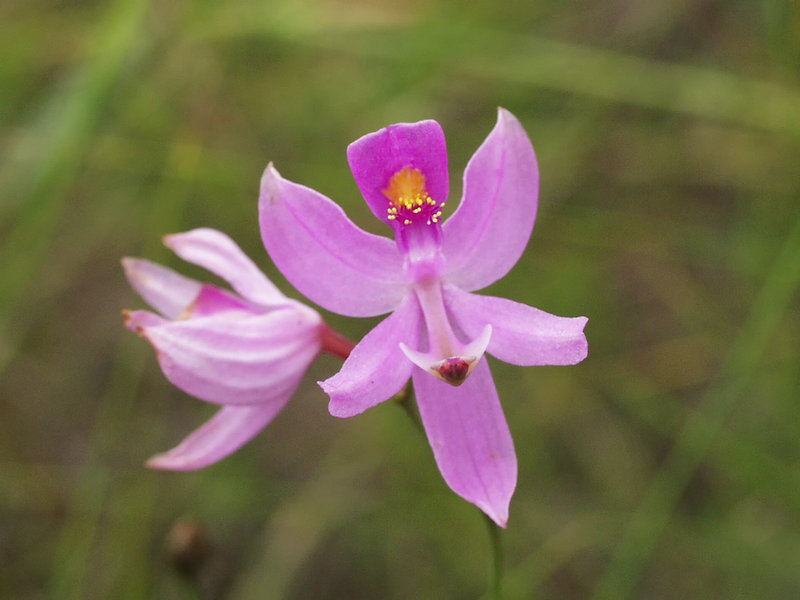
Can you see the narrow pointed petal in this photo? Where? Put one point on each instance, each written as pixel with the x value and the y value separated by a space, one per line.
pixel 237 358
pixel 470 439
pixel 162 288
pixel 227 431
pixel 521 334
pixel 137 320
pixel 215 251
pixel 376 368
pixel 376 157
pixel 488 232
pixel 324 255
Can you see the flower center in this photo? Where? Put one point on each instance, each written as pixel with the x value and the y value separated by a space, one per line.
pixel 408 201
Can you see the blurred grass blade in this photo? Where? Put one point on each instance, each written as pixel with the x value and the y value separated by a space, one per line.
pixel 62 132
pixel 93 483
pixel 641 538
pixel 697 91
pixel 514 59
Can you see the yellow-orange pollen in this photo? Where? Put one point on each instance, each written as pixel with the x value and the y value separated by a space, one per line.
pixel 408 199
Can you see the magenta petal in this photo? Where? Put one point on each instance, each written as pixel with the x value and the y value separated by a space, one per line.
pixel 215 251
pixel 212 300
pixel 521 334
pixel 376 157
pixel 237 357
pixel 227 431
pixel 488 232
pixel 324 255
pixel 162 288
pixel 470 439
pixel 376 368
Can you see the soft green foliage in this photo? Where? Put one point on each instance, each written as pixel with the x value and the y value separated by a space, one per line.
pixel 663 467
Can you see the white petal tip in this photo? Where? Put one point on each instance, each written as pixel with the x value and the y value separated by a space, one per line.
pixel 478 346
pixel 269 184
pixel 131 266
pixel 499 519
pixel 165 462
pixel 158 463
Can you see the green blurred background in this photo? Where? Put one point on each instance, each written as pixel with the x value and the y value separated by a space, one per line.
pixel 668 134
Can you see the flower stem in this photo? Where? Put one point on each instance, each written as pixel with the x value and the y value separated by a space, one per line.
pixel 335 343
pixel 497 558
pixel 405 398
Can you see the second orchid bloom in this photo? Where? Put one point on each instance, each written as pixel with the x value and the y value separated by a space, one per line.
pixel 438 330
pixel 246 350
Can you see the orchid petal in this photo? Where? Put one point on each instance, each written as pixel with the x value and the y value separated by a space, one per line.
pixel 376 157
pixel 488 232
pixel 137 320
pixel 376 368
pixel 162 288
pixel 470 439
pixel 521 334
pixel 227 431
pixel 237 357
pixel 324 255
pixel 215 251
pixel 212 300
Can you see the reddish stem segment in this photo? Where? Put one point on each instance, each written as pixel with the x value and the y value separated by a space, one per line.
pixel 335 343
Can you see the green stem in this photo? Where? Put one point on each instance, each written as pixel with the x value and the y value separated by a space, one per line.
pixel 405 398
pixel 497 558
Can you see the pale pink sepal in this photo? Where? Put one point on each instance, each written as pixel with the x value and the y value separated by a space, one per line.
pixel 227 431
pixel 488 232
pixel 215 251
pixel 376 368
pixel 324 255
pixel 470 439
pixel 236 357
pixel 162 288
pixel 521 334
pixel 376 157
pixel 137 320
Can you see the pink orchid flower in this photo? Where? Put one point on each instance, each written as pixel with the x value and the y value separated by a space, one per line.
pixel 247 351
pixel 437 331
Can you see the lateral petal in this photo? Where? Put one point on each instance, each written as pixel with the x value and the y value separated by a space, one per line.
pixel 227 431
pixel 489 230
pixel 324 255
pixel 162 288
pixel 376 368
pixel 376 157
pixel 470 439
pixel 237 357
pixel 215 251
pixel 521 334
